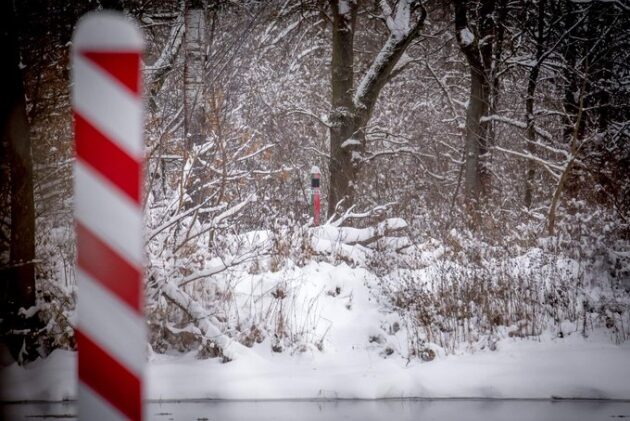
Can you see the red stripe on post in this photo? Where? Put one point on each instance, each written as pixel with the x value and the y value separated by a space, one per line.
pixel 108 378
pixel 123 66
pixel 106 53
pixel 316 207
pixel 107 158
pixel 112 271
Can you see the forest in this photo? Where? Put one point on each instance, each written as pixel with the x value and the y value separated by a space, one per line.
pixel 474 159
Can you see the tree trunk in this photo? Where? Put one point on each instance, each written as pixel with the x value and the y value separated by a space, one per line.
pixel 476 145
pixel 194 92
pixel 19 285
pixel 571 73
pixel 341 167
pixel 194 69
pixel 479 58
pixel 532 83
pixel 351 111
pixel 575 138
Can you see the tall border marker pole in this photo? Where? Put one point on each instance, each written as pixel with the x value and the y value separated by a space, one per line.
pixel 315 179
pixel 108 123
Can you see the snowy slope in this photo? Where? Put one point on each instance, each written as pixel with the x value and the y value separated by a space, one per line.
pixel 336 304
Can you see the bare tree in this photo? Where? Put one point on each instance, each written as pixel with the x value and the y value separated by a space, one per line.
pixel 352 108
pixel 475 41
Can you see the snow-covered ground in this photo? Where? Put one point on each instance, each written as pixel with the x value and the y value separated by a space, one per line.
pixel 519 369
pixel 335 304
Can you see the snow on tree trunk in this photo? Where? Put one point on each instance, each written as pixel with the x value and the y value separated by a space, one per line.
pixel 351 112
pixel 194 70
pixel 478 53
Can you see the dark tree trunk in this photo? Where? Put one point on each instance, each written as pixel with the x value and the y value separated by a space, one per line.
pixel 476 142
pixel 341 167
pixel 479 58
pixel 532 84
pixel 496 54
pixel 571 74
pixel 19 280
pixel 351 111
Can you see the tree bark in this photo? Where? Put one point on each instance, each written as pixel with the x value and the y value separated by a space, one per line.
pixel 532 84
pixel 19 285
pixel 342 170
pixel 195 28
pixel 351 111
pixel 194 92
pixel 479 57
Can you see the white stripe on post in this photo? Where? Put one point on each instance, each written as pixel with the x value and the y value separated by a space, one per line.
pixel 122 333
pixel 121 228
pixel 107 105
pixel 100 410
pixel 116 114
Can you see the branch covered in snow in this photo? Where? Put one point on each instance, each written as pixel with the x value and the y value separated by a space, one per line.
pixel 403 28
pixel 206 323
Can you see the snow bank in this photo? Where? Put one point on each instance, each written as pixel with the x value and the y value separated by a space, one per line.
pixel 348 345
pixel 353 332
pixel 52 379
pixel 569 369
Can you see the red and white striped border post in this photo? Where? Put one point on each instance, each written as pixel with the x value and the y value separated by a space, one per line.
pixel 108 122
pixel 315 179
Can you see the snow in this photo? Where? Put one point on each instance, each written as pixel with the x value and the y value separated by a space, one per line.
pixel 334 305
pixel 52 379
pixel 519 369
pixel 466 37
pixel 350 142
pixel 344 7
pixel 368 79
pixel 358 235
pixel 172 46
pixel 398 22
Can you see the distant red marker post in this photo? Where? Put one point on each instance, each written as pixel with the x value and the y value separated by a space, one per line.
pixel 316 200
pixel 108 122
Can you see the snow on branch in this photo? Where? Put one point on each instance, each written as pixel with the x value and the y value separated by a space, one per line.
pixel 466 37
pixel 158 71
pixel 322 120
pixel 175 219
pixel 233 210
pixel 398 21
pixel 547 165
pixel 171 47
pixel 516 123
pixel 396 151
pixel 362 236
pixel 402 31
pixel 206 323
pixel 345 8
pixel 218 264
pixel 350 214
pixel 622 4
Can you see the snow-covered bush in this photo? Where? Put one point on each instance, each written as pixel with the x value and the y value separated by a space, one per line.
pixel 473 293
